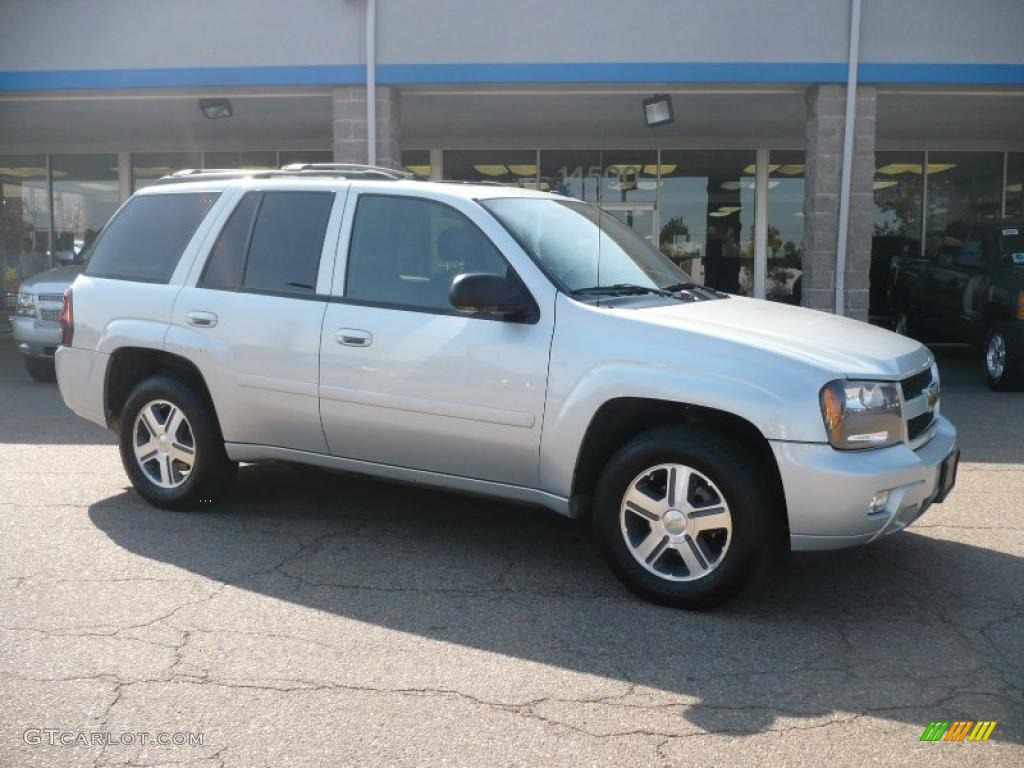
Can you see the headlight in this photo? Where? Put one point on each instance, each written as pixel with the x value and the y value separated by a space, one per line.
pixel 862 414
pixel 27 304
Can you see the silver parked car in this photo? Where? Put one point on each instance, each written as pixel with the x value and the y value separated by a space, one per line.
pixel 502 342
pixel 36 321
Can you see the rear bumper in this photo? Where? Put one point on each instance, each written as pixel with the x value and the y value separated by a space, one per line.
pixel 81 375
pixel 828 491
pixel 35 338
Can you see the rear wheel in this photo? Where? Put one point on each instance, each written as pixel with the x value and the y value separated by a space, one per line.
pixel 1003 361
pixel 684 516
pixel 171 446
pixel 41 369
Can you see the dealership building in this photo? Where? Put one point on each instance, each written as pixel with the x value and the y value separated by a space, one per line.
pixel 785 149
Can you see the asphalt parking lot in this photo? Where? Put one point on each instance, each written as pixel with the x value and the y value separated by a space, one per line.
pixel 319 619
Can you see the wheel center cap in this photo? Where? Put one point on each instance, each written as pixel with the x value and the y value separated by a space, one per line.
pixel 164 442
pixel 674 521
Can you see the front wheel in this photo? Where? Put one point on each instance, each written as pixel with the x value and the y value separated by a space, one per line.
pixel 171 446
pixel 1003 361
pixel 685 516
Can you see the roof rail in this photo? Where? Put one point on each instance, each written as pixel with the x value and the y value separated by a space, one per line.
pixel 349 169
pixel 332 170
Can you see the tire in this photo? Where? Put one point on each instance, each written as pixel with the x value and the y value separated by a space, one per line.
pixel 163 480
pixel 1003 360
pixel 724 475
pixel 41 369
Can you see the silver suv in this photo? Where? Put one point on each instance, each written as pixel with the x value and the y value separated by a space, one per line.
pixel 502 342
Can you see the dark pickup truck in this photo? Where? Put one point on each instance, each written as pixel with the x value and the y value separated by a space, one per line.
pixel 970 290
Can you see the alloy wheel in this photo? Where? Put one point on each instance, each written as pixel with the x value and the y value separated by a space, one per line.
pixel 164 444
pixel 995 356
pixel 676 522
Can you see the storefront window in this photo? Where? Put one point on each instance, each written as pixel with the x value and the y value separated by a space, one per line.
pixel 289 156
pixel 898 187
pixel 1015 184
pixel 785 244
pixel 417 161
pixel 601 176
pixel 512 167
pixel 261 160
pixel 707 216
pixel 24 222
pixel 962 186
pixel 85 195
pixel 147 167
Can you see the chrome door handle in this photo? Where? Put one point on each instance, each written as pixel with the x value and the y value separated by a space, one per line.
pixel 201 319
pixel 353 337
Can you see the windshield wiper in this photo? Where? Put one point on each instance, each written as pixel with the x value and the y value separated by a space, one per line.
pixel 623 289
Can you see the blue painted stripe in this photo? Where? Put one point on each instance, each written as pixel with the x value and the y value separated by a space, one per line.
pixel 570 72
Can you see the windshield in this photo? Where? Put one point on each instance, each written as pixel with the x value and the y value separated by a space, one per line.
pixel 583 247
pixel 1011 245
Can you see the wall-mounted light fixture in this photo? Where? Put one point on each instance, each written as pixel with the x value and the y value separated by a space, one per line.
pixel 215 109
pixel 658 110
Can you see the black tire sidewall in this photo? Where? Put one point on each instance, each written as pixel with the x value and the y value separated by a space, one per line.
pixel 733 470
pixel 212 469
pixel 41 370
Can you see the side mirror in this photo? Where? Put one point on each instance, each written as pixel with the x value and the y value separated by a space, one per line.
pixel 488 294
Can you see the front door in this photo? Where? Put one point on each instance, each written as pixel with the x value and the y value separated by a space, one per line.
pixel 405 379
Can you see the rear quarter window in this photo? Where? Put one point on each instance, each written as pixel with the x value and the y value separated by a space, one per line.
pixel 146 238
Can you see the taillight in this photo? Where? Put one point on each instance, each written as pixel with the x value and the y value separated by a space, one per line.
pixel 67 320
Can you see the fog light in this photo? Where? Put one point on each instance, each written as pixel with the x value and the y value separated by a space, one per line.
pixel 878 502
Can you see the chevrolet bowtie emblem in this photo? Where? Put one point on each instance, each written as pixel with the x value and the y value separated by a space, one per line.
pixel 933 396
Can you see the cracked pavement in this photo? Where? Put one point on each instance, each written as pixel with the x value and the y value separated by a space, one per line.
pixel 320 619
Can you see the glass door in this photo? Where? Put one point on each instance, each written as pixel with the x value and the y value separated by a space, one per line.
pixel 640 217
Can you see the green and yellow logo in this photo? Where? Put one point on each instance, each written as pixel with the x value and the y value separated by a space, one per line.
pixel 959 730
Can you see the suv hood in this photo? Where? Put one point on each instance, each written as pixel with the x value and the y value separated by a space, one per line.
pixel 51 281
pixel 838 344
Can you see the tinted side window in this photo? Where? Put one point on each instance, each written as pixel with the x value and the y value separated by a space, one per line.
pixel 972 254
pixel 407 251
pixel 284 254
pixel 145 240
pixel 227 258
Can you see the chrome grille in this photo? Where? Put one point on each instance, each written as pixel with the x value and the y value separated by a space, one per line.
pixel 51 315
pixel 920 401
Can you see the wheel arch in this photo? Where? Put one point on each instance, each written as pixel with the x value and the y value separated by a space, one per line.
pixel 620 419
pixel 130 365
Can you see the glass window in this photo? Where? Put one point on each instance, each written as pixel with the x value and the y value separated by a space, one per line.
pixel 260 160
pixel 417 161
pixel 284 255
pixel 1015 184
pixel 224 267
pixel 785 226
pixel 85 194
pixel 147 167
pixel 145 240
pixel 962 186
pixel 898 188
pixel 707 216
pixel 24 222
pixel 583 247
pixel 512 167
pixel 407 251
pixel 289 156
pixel 601 176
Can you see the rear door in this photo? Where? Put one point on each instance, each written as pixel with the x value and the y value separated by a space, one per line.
pixel 406 379
pixel 250 315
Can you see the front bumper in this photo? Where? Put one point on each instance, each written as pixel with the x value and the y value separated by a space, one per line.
pixel 828 491
pixel 35 338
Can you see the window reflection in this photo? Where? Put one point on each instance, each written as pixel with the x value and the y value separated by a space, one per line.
pixel 258 160
pixel 85 194
pixel 898 187
pixel 147 167
pixel 290 156
pixel 1015 184
pixel 962 186
pixel 601 176
pixel 512 167
pixel 417 161
pixel 785 244
pixel 24 222
pixel 707 216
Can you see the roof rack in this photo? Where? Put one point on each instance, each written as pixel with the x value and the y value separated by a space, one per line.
pixel 330 170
